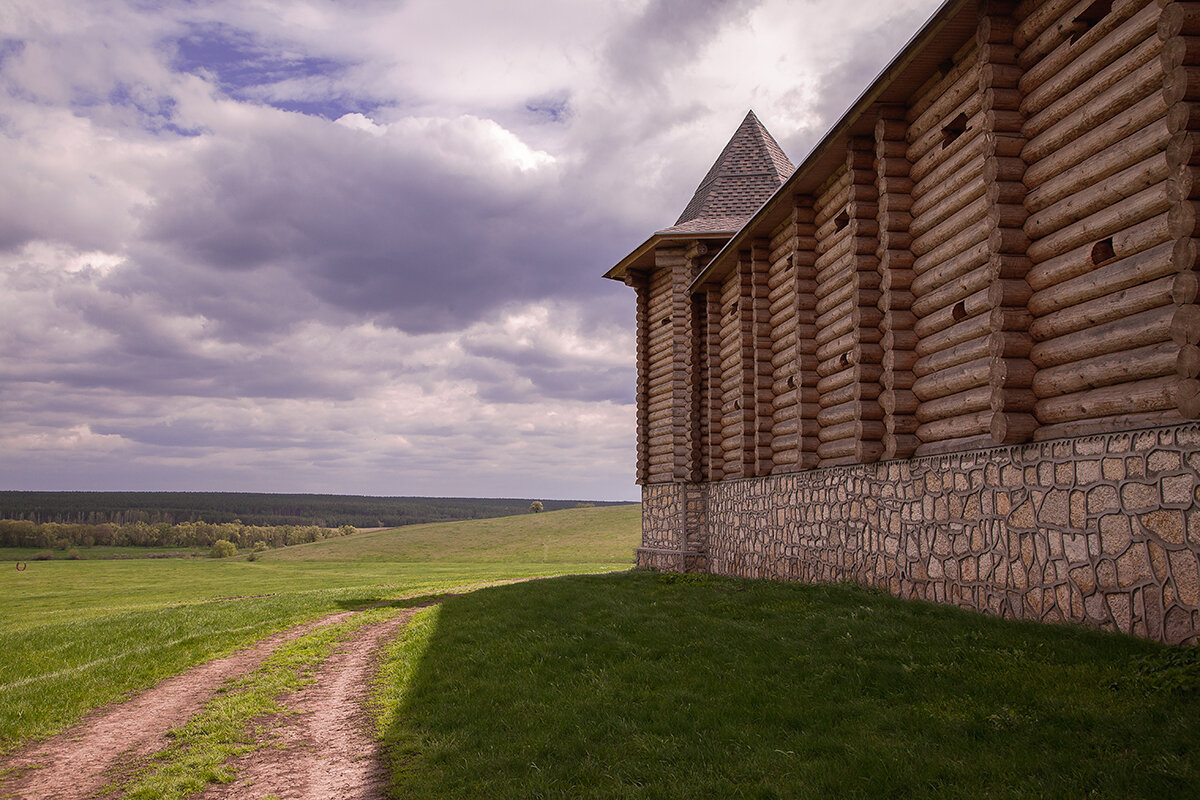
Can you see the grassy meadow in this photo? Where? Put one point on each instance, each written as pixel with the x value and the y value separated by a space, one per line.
pixel 75 635
pixel 640 685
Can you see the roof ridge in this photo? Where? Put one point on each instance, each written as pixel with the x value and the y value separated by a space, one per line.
pixel 747 172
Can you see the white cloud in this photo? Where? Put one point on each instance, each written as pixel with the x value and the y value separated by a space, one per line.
pixel 356 247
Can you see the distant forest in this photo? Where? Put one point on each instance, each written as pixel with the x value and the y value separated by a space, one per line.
pixel 322 510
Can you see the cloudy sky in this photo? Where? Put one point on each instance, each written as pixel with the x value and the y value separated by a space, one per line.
pixel 355 246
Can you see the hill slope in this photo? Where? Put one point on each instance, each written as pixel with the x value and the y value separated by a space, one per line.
pixel 601 534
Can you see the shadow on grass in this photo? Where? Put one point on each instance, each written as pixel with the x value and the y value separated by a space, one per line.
pixel 638 685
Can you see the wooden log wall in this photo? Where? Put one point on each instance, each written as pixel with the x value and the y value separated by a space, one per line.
pixel 712 383
pixel 781 293
pixel 899 340
pixel 950 232
pixel 1013 254
pixel 736 361
pixel 848 353
pixel 1179 30
pixel 640 283
pixel 791 283
pixel 1096 99
pixel 667 315
pixel 760 374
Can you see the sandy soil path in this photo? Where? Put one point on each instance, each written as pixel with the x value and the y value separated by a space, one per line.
pixel 76 763
pixel 324 747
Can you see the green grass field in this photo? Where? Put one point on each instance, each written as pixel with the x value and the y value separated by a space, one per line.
pixel 549 537
pixel 637 685
pixel 75 635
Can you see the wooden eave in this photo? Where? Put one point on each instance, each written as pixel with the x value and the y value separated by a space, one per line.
pixel 642 258
pixel 950 27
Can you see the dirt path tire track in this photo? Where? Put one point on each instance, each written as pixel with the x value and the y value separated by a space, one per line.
pixel 325 747
pixel 74 764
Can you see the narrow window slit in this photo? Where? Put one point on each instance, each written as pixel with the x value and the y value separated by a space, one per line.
pixel 841 221
pixel 1086 20
pixel 953 129
pixel 1103 251
pixel 959 311
pixel 665 321
pixel 946 67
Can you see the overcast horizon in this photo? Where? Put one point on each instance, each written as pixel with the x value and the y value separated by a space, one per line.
pixel 356 247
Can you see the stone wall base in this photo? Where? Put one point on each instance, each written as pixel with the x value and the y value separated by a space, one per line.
pixel 1098 530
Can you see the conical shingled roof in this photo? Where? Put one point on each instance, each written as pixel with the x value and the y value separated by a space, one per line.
pixel 749 170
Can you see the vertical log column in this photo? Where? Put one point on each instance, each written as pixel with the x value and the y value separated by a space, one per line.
pixel 737 406
pixel 895 281
pixel 1011 371
pixel 760 344
pixel 1179 30
pixel 696 350
pixel 804 259
pixel 710 299
pixel 781 285
pixel 638 281
pixel 863 210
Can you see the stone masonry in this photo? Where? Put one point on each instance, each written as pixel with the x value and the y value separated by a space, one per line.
pixel 1101 530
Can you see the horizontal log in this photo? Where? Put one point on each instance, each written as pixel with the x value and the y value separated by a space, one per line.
pixel 1154 394
pixel 1097 198
pixel 1136 330
pixel 960 190
pixel 899 445
pixel 960 353
pixel 955 223
pixel 955 379
pixel 961 331
pixel 1123 366
pixel 961 427
pixel 958 244
pixel 966 402
pixel 1078 120
pixel 955 291
pixel 1035 17
pixel 1009 344
pixel 1050 78
pixel 898 402
pixel 1110 219
pixel 1133 149
pixel 1096 140
pixel 1087 91
pixel 933 175
pixel 1187 363
pixel 1145 247
pixel 897 363
pixel 1012 428
pixel 1185 324
pixel 1185 289
pixel 1104 425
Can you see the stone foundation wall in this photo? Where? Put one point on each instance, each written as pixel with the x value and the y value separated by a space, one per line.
pixel 1100 530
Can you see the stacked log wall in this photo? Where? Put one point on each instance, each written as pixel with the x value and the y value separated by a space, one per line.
pixel 847 337
pixel 668 347
pixel 759 347
pixel 899 340
pixel 951 268
pixel 784 321
pixel 1097 99
pixel 736 368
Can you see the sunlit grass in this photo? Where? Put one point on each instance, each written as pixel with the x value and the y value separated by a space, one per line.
pixel 75 635
pixel 638 685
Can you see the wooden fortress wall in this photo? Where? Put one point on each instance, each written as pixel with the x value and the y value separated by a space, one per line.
pixel 1010 257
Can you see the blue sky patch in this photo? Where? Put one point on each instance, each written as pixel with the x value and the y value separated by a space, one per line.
pixel 247 69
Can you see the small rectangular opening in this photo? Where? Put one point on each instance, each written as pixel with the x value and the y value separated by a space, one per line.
pixel 1103 251
pixel 1086 20
pixel 841 221
pixel 953 129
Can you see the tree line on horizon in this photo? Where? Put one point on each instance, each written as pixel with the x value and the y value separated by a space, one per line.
pixel 63 536
pixel 260 509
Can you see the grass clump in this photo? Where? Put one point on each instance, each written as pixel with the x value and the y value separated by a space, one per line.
pixel 638 685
